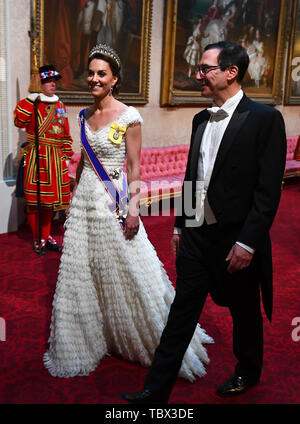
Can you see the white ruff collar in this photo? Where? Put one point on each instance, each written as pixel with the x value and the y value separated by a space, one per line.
pixel 44 98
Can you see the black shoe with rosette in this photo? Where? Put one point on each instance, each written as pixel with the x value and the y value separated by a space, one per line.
pixel 52 245
pixel 39 248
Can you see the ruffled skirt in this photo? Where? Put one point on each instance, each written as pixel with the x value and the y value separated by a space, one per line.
pixel 112 296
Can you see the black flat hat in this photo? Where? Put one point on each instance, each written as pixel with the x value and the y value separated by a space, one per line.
pixel 48 71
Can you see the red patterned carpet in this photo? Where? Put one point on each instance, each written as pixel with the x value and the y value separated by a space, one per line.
pixel 27 287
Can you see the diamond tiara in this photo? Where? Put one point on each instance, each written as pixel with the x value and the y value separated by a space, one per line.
pixel 106 51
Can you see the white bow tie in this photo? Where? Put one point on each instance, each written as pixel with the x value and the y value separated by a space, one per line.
pixel 216 113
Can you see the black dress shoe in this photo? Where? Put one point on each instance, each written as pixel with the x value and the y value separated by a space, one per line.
pixel 52 245
pixel 144 396
pixel 235 386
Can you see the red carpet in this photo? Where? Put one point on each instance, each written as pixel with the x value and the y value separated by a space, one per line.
pixel 27 287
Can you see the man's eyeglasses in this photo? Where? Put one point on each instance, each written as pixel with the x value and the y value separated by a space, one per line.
pixel 204 69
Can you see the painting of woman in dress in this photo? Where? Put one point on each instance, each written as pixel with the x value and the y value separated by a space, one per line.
pixel 258 64
pixel 253 24
pixel 192 52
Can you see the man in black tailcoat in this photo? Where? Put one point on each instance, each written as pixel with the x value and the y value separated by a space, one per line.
pixel 235 165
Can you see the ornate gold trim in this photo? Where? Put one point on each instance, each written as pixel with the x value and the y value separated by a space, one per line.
pixel 291 25
pixel 147 201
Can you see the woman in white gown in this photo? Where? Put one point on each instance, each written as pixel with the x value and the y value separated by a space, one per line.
pixel 113 294
pixel 192 52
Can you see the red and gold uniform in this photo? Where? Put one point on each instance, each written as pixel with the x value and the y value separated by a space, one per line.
pixel 55 147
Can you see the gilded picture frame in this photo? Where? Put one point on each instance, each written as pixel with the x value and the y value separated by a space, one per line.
pixel 292 88
pixel 63 31
pixel 192 24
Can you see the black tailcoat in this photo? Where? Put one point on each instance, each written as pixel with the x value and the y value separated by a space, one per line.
pixel 245 185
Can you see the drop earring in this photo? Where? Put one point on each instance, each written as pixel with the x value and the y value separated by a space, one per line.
pixel 111 90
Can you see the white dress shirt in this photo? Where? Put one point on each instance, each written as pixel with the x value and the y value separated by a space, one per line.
pixel 214 131
pixel 216 127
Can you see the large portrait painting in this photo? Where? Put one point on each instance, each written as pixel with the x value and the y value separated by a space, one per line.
pixel 191 25
pixel 67 29
pixel 292 92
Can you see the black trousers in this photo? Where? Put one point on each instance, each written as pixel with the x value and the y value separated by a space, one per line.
pixel 202 269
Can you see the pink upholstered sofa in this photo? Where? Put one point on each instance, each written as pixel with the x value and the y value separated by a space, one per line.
pixel 162 172
pixel 163 169
pixel 292 167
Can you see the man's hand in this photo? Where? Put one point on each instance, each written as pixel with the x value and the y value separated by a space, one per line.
pixel 175 244
pixel 239 258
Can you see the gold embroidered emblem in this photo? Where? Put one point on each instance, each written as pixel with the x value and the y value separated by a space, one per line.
pixel 55 129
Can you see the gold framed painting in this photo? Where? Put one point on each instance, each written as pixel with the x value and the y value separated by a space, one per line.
pixel 65 30
pixel 190 25
pixel 292 89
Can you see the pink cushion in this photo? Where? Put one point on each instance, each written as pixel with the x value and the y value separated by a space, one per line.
pixel 164 187
pixel 292 165
pixel 291 146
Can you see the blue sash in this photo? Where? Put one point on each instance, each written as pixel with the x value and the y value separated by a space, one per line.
pixel 119 200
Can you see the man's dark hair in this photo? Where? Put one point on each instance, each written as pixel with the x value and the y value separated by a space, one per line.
pixel 231 54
